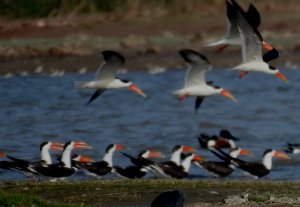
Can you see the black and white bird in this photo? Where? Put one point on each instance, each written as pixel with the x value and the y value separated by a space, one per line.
pixel 103 167
pixel 221 168
pixel 254 169
pixel 292 148
pixel 23 166
pixel 64 168
pixel 224 140
pixel 141 165
pixel 252 42
pixel 232 35
pixel 106 76
pixel 181 171
pixel 195 83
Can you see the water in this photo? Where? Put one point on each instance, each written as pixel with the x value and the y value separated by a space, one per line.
pixel 37 108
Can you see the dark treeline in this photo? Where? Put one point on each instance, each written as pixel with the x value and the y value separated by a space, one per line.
pixel 15 9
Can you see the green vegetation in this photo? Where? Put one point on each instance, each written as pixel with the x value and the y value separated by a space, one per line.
pixel 45 8
pixel 20 200
pixel 142 192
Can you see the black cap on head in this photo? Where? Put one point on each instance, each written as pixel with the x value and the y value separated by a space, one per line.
pixel 227 135
pixel 109 147
pixel 43 144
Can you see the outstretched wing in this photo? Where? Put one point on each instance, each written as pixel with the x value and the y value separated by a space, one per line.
pixel 108 69
pixel 198 65
pixel 250 36
pixel 95 95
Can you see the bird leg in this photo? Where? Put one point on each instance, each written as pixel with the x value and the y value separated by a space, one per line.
pixel 243 74
pixel 183 97
pixel 220 49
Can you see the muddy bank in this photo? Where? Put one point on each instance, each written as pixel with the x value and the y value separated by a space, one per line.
pixel 142 192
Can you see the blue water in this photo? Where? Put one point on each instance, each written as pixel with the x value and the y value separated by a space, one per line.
pixel 37 108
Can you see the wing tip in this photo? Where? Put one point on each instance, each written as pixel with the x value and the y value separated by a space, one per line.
pixel 110 55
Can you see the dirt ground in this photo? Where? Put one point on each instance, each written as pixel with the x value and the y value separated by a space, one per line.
pixel 75 43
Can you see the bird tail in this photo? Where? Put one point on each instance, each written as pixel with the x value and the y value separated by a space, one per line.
pixel 80 84
pixel 219 42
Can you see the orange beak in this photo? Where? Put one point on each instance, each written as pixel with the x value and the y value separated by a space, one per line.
pixel 245 152
pixel 282 77
pixel 227 94
pixel 119 147
pixel 135 89
pixel 82 145
pixel 154 154
pixel 85 159
pixel 57 146
pixel 188 149
pixel 281 155
pixel 2 154
pixel 197 158
pixel 266 46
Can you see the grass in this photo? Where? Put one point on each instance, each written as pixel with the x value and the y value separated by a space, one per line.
pixel 20 200
pixel 141 192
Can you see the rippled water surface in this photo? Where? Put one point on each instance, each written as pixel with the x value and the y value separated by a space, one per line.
pixel 37 108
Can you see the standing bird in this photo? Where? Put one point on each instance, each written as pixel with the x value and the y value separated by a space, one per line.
pixel 105 76
pixel 175 160
pixel 251 47
pixel 141 165
pixel 214 142
pixel 182 170
pixel 195 84
pixel 292 148
pixel 221 168
pixel 64 168
pixel 255 169
pixel 103 167
pixel 23 166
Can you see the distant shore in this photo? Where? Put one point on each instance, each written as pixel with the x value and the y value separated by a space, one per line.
pixel 49 44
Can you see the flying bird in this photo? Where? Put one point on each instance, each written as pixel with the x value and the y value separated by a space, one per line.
pixel 105 76
pixel 251 47
pixel 195 84
pixel 232 36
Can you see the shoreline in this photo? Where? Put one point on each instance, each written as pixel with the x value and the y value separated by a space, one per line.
pixel 126 192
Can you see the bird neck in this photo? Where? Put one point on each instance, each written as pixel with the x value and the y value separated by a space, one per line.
pixel 186 163
pixel 45 156
pixel 267 161
pixel 176 157
pixel 234 153
pixel 66 157
pixel 108 157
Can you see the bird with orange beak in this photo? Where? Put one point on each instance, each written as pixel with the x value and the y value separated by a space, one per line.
pixel 195 83
pixel 105 77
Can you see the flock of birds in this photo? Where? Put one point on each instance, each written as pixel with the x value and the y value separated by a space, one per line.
pixel 242 30
pixel 178 166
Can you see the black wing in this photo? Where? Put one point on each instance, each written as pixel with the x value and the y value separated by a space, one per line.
pixel 95 95
pixel 199 100
pixel 253 16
